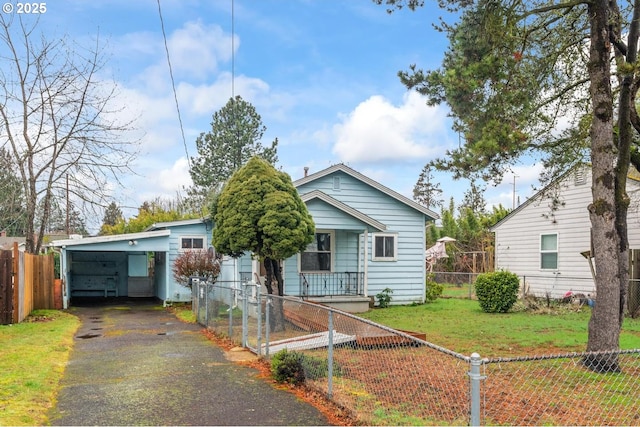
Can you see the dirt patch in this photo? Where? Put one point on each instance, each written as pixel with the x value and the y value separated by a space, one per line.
pixel 34 319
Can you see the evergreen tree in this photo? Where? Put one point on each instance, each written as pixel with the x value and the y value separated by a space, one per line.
pixel 260 211
pixel 558 81
pixel 112 214
pixel 235 137
pixel 427 191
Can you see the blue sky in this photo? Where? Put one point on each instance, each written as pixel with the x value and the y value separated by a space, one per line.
pixel 321 73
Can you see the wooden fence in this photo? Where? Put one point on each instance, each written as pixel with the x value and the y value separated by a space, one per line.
pixel 6 287
pixel 26 284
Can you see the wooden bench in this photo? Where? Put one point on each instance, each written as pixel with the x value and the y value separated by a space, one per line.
pixel 106 286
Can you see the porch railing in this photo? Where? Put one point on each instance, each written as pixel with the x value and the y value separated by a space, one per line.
pixel 331 284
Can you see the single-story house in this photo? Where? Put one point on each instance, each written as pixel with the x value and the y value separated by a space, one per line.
pixel 368 238
pixel 546 240
pixel 133 265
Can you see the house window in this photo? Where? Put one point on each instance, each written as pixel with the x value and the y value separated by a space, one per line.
pixel 549 251
pixel 191 243
pixel 385 247
pixel 317 256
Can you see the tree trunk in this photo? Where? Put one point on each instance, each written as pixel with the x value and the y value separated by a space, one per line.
pixel 605 322
pixel 276 320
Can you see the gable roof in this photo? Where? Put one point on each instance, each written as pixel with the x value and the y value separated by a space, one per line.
pixel 111 238
pixel 357 175
pixel 632 177
pixel 317 194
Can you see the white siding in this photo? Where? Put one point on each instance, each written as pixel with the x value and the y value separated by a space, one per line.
pixel 518 238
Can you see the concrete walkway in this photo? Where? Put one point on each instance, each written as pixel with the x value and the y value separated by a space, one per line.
pixel 134 363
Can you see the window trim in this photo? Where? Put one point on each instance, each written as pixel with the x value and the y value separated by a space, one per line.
pixel 547 251
pixel 332 247
pixel 374 237
pixel 192 237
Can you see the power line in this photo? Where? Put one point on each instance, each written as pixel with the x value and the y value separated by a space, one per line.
pixel 173 85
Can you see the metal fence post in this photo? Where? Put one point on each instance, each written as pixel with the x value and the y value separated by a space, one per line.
pixel 259 313
pixel 474 375
pixel 330 356
pixel 206 302
pixel 245 314
pixel 267 325
pixel 232 299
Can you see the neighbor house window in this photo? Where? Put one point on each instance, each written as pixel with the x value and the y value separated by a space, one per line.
pixel 549 251
pixel 385 247
pixel 190 243
pixel 318 254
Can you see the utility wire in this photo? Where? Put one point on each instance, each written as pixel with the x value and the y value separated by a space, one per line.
pixel 173 85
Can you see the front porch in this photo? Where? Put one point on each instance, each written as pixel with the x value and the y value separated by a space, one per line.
pixel 344 291
pixel 331 284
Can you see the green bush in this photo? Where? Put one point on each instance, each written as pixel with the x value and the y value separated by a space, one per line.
pixel 384 297
pixel 434 290
pixel 497 292
pixel 286 367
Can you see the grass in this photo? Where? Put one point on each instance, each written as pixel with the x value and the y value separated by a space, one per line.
pixel 32 362
pixel 460 325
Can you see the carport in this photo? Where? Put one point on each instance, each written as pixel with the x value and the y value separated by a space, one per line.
pixel 128 265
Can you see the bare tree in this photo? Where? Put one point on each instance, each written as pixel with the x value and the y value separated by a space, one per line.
pixel 58 120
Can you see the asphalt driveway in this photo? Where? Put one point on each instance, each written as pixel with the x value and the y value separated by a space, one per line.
pixel 134 363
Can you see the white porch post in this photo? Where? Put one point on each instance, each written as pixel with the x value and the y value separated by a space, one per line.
pixel 366 262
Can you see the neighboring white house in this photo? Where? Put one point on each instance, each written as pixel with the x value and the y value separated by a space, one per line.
pixel 546 241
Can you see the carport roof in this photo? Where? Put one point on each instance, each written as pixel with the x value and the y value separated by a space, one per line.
pixel 162 225
pixel 114 238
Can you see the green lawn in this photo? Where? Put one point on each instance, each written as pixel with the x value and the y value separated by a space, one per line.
pixel 32 361
pixel 460 325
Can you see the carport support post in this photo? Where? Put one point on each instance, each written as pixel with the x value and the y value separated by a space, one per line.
pixel 474 375
pixel 330 356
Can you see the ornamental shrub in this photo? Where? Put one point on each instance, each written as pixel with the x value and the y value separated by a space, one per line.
pixel 286 367
pixel 199 263
pixel 433 290
pixel 497 292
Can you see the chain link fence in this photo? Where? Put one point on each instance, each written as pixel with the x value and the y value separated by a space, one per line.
pixel 389 377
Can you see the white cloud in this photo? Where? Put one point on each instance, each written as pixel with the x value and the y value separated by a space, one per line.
pixel 379 131
pixel 175 178
pixel 196 49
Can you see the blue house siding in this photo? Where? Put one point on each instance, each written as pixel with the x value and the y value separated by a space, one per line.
pixel 88 263
pixel 349 206
pixel 173 291
pixel 406 275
